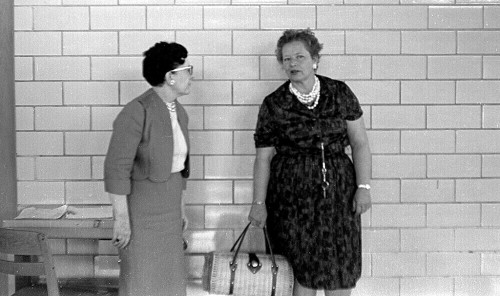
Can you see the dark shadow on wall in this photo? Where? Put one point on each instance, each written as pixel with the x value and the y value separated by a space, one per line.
pixel 8 176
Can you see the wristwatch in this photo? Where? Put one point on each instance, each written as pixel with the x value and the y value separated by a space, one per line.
pixel 365 186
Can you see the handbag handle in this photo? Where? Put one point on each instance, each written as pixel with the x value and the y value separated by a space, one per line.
pixel 234 265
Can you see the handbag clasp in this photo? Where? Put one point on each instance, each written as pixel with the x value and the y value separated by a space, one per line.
pixel 253 264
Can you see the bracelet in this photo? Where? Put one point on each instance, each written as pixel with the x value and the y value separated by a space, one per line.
pixel 259 203
pixel 365 186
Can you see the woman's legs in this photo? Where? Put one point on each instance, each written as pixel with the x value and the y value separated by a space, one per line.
pixel 338 293
pixel 299 290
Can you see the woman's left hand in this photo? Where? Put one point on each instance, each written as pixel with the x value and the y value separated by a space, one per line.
pixel 362 201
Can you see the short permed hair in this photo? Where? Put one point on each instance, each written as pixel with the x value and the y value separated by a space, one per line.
pixel 160 59
pixel 305 36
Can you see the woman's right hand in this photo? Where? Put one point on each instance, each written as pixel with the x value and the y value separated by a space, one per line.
pixel 121 232
pixel 258 215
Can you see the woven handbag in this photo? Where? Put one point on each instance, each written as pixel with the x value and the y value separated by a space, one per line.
pixel 247 274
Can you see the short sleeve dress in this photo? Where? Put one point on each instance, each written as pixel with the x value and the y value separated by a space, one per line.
pixel 321 236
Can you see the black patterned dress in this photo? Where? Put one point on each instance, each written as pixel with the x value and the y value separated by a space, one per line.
pixel 320 236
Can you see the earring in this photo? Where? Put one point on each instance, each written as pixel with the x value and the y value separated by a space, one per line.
pixel 315 66
pixel 172 82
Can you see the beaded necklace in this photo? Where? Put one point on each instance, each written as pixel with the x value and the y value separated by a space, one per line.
pixel 171 106
pixel 311 99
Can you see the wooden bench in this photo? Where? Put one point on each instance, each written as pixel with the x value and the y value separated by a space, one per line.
pixel 21 245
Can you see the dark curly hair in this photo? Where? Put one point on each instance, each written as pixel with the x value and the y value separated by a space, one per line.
pixel 161 58
pixel 305 36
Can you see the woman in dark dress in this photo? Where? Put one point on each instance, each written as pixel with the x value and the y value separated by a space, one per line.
pixel 144 173
pixel 306 188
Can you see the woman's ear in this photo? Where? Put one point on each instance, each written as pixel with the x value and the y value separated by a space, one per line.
pixel 169 78
pixel 315 64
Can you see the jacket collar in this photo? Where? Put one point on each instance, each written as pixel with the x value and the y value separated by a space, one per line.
pixel 157 103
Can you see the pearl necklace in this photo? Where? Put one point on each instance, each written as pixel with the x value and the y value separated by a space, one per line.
pixel 171 106
pixel 311 99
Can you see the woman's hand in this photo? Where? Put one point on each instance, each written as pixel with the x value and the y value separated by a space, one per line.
pixel 258 215
pixel 121 232
pixel 121 227
pixel 362 201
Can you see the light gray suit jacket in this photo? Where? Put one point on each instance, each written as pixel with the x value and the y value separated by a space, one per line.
pixel 142 144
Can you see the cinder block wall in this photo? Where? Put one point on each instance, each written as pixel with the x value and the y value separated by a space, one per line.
pixel 427 73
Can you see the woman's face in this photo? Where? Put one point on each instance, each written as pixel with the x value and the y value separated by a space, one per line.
pixel 182 76
pixel 297 61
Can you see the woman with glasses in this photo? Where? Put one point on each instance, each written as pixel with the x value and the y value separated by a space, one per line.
pixel 307 191
pixel 144 173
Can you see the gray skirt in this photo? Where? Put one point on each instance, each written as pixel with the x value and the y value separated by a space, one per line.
pixel 153 263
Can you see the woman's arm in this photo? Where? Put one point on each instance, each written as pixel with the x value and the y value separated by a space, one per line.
pixel 261 172
pixel 121 229
pixel 361 156
pixel 122 150
pixel 127 133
